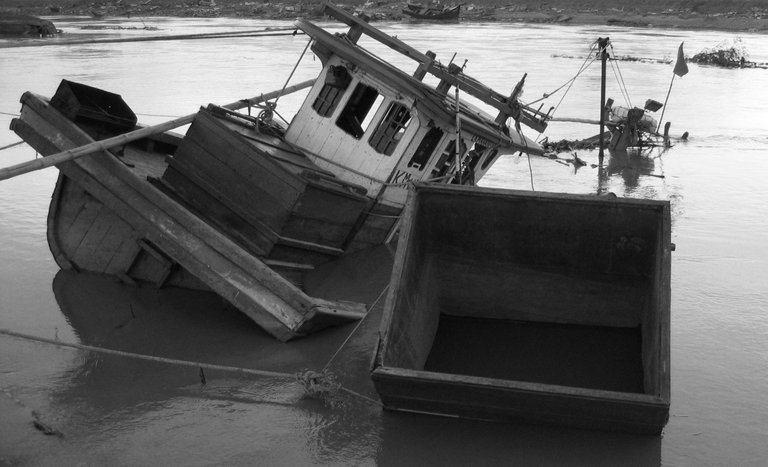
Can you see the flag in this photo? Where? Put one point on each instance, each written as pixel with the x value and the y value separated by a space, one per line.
pixel 681 69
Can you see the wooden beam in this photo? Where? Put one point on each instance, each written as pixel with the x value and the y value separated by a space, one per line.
pixel 120 140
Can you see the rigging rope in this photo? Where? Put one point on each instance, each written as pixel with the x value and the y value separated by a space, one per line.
pixel 309 42
pixel 620 78
pixel 569 83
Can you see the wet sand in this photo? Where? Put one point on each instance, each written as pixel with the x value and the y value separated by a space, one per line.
pixel 741 15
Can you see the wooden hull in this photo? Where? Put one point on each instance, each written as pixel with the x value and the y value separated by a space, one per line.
pixel 556 311
pixel 450 14
pixel 106 217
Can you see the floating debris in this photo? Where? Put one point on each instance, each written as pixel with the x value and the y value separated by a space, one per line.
pixel 44 427
pixel 319 385
pixel 731 53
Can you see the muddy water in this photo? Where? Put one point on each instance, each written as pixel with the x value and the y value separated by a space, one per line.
pixel 118 410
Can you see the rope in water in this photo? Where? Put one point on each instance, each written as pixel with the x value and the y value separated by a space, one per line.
pixel 172 361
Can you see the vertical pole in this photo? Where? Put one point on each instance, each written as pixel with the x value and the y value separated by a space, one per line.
pixel 603 51
pixel 458 137
pixel 664 107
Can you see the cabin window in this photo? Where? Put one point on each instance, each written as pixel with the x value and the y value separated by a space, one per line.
pixel 336 82
pixel 447 159
pixel 426 148
pixel 355 116
pixel 489 158
pixel 391 128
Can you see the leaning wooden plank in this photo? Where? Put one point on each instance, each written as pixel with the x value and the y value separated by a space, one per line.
pixel 271 301
pixel 119 140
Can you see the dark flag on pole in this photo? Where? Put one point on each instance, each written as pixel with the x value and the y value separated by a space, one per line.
pixel 680 67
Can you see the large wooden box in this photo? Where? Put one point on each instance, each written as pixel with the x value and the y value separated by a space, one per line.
pixel 535 307
pixel 242 181
pixel 97 109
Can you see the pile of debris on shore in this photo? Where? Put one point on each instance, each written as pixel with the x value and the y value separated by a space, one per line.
pixel 728 54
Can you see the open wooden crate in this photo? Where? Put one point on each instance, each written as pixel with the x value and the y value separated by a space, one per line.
pixel 537 307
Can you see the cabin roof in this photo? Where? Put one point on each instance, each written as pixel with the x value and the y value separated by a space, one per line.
pixel 438 106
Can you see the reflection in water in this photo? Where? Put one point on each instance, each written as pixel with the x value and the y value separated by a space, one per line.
pixel 103 401
pixel 631 165
pixel 463 442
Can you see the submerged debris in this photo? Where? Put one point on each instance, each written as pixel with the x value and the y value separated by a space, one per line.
pixel 320 385
pixel 568 145
pixel 44 427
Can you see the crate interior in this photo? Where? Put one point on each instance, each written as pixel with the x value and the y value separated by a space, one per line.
pixel 554 290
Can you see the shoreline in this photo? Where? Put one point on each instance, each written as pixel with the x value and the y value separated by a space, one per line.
pixel 743 19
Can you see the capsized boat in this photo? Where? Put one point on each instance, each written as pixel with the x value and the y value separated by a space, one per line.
pixel 556 311
pixel 244 206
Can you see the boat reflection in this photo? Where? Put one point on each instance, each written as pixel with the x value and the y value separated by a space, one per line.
pixel 111 401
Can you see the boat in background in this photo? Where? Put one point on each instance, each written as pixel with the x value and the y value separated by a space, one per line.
pixel 432 12
pixel 245 206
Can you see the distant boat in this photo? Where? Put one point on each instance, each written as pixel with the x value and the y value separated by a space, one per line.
pixel 432 13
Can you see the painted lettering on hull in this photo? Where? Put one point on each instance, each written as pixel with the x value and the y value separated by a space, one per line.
pixel 400 176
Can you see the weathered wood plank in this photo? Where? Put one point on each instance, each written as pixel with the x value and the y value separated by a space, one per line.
pixel 79 227
pixel 97 248
pixel 271 301
pixel 213 206
pixel 232 150
pixel 226 187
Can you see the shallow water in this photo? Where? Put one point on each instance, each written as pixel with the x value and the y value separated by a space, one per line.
pixel 121 411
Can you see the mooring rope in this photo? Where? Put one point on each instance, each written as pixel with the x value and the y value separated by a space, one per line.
pixel 171 361
pixel 383 291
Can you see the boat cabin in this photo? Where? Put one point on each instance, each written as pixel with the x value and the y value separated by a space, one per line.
pixel 379 127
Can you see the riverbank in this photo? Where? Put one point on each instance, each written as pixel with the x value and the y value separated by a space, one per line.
pixel 741 15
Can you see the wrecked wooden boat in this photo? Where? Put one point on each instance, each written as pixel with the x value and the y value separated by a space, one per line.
pixel 431 12
pixel 17 25
pixel 556 310
pixel 244 206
